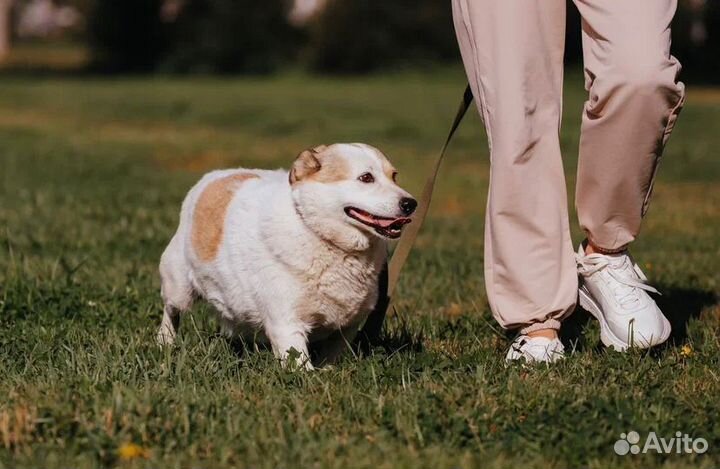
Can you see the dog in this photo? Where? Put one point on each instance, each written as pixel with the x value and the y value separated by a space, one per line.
pixel 287 257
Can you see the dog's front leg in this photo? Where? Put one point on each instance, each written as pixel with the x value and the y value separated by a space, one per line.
pixel 287 337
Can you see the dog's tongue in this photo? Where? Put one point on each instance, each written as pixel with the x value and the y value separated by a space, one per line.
pixel 381 222
pixel 387 222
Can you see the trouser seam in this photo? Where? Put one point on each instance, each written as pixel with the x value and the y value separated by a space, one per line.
pixel 478 80
pixel 487 124
pixel 672 118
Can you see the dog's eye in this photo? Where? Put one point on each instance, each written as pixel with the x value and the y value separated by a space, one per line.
pixel 367 178
pixel 394 176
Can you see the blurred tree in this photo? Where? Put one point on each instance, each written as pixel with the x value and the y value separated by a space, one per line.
pixel 5 27
pixel 126 35
pixel 696 40
pixel 351 36
pixel 339 36
pixel 231 36
pixel 46 19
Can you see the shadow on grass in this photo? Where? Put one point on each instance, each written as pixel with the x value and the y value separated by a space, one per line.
pixel 680 306
pixel 401 340
pixel 242 347
pixel 393 340
pixel 571 332
pixel 398 340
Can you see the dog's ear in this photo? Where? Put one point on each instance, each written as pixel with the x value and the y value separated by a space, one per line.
pixel 306 164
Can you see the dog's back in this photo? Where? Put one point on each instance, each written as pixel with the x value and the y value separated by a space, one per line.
pixel 195 263
pixel 206 206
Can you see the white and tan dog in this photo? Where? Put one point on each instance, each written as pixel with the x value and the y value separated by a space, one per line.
pixel 287 257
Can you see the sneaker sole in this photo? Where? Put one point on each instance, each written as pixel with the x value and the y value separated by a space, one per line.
pixel 607 337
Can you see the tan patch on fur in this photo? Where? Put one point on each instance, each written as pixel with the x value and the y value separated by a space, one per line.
pixel 387 167
pixel 389 170
pixel 334 168
pixel 304 166
pixel 307 310
pixel 316 165
pixel 210 212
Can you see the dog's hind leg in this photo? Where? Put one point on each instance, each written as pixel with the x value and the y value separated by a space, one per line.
pixel 176 290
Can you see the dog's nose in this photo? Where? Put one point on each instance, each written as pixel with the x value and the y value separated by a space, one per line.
pixel 408 205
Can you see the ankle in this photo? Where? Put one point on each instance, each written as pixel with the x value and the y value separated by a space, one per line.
pixel 591 248
pixel 547 333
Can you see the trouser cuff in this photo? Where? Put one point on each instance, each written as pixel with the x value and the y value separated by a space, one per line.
pixel 536 326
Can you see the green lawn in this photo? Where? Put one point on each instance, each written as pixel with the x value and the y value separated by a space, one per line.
pixel 93 172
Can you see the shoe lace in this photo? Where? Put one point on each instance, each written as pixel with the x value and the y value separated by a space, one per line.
pixel 629 279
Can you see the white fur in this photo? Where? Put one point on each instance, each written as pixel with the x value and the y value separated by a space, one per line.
pixel 283 246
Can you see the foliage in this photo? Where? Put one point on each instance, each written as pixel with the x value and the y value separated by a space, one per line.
pixel 700 58
pixel 126 36
pixel 210 36
pixel 365 35
pixel 231 36
pixel 348 36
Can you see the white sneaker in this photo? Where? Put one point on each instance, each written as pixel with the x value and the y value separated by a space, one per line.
pixel 613 289
pixel 535 349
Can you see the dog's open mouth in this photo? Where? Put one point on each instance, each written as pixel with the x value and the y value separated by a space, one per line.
pixel 384 226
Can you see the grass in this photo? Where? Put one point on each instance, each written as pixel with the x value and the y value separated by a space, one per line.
pixel 93 172
pixel 45 57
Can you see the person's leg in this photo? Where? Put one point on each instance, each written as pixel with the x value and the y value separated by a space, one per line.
pixel 513 56
pixel 634 100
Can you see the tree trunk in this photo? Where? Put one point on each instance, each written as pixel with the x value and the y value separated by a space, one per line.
pixel 5 28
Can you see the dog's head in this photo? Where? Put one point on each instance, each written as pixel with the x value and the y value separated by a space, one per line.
pixel 348 194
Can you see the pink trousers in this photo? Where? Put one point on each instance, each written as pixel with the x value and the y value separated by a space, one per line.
pixel 513 56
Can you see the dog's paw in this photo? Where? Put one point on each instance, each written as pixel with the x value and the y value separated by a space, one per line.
pixel 296 361
pixel 165 338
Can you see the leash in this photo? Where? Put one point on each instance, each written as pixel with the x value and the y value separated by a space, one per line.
pixel 391 273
